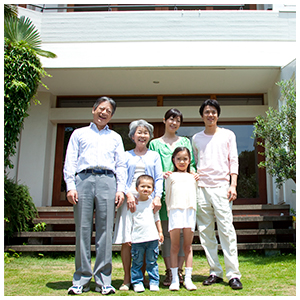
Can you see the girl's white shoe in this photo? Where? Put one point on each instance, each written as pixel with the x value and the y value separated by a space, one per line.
pixel 190 286
pixel 175 280
pixel 174 286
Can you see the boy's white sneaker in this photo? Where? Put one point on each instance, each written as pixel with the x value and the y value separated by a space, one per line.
pixel 190 286
pixel 154 288
pixel 75 290
pixel 105 289
pixel 174 286
pixel 139 288
pixel 78 289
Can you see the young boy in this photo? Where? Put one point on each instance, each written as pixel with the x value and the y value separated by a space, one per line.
pixel 146 233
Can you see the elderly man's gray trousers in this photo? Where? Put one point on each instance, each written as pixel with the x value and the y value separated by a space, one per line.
pixel 94 191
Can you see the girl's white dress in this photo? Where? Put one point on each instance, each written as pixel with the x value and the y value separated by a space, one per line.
pixel 181 189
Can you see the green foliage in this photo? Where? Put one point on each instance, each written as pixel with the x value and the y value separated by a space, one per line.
pixel 39 227
pixel 19 209
pixel 10 255
pixel 22 29
pixel 10 11
pixel 278 131
pixel 22 75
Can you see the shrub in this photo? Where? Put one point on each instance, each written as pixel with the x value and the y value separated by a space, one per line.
pixel 278 130
pixel 19 209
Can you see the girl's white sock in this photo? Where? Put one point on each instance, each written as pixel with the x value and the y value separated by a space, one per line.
pixel 188 279
pixel 175 278
pixel 188 273
pixel 174 286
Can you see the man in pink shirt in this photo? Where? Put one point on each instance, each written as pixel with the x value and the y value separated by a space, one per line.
pixel 216 156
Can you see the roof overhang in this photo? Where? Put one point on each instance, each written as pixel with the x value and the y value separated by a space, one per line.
pixel 165 67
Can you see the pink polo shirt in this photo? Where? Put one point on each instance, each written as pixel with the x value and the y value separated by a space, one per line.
pixel 216 157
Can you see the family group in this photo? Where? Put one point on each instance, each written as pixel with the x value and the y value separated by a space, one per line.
pixel 162 191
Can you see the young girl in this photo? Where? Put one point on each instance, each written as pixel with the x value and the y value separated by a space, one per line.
pixel 180 189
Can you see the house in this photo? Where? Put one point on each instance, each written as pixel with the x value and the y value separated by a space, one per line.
pixel 150 58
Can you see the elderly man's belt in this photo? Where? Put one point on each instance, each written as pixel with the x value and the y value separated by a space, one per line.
pixel 96 171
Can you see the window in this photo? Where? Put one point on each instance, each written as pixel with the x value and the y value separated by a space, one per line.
pixel 250 179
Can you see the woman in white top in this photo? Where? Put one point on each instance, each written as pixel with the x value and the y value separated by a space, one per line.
pixel 181 189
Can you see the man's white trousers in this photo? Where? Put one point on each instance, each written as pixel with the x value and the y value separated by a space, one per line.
pixel 213 202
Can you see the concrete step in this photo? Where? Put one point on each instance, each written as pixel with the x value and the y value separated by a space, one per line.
pixel 257 227
pixel 242 210
pixel 196 247
pixel 55 221
pixel 44 234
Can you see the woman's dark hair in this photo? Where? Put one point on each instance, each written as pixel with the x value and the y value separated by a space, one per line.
pixel 210 102
pixel 173 112
pixel 103 99
pixel 176 151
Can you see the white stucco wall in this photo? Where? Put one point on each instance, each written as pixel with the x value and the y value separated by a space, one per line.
pixel 188 25
pixel 36 152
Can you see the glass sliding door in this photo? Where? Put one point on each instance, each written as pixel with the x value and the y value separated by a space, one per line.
pixel 251 187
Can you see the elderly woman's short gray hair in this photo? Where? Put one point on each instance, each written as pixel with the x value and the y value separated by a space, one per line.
pixel 140 123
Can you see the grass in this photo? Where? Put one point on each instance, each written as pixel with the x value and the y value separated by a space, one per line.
pixel 51 275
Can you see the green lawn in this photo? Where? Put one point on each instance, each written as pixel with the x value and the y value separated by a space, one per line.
pixel 51 275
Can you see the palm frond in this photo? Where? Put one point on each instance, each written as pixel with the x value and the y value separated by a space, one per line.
pixel 17 30
pixel 10 10
pixel 22 29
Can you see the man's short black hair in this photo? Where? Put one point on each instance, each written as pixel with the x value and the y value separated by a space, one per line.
pixel 210 102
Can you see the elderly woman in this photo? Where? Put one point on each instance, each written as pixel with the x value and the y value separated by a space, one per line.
pixel 139 160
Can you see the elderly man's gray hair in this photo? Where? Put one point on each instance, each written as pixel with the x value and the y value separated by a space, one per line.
pixel 142 123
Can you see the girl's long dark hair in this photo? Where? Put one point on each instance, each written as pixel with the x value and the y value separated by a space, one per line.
pixel 176 151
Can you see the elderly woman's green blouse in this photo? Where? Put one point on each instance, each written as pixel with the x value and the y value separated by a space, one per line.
pixel 166 160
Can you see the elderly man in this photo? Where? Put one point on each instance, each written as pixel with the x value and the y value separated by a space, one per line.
pixel 95 175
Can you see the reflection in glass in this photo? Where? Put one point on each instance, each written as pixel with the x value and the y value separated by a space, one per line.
pixel 248 170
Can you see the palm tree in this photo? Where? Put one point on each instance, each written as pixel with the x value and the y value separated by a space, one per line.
pixel 22 29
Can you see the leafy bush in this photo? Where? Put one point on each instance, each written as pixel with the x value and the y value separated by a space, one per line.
pixel 278 130
pixel 22 74
pixel 19 209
